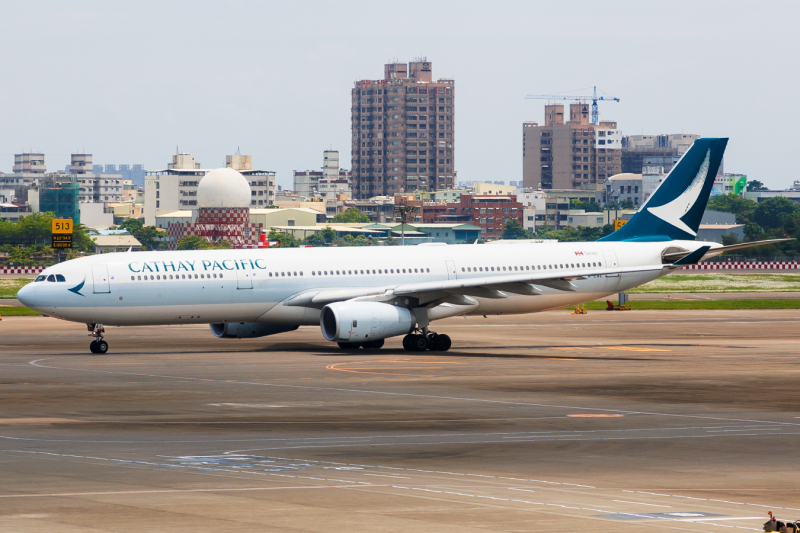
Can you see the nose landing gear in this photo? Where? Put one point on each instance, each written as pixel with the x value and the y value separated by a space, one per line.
pixel 98 345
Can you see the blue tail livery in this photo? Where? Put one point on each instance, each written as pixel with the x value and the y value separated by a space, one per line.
pixel 674 210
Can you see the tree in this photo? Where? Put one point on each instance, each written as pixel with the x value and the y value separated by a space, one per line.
pixel 756 185
pixel 590 207
pixel 772 212
pixel 753 232
pixel 350 216
pixel 150 238
pixel 729 239
pixel 315 239
pixel 193 242
pixel 132 225
pixel 514 231
pixel 731 203
pixel 286 240
pixel 626 204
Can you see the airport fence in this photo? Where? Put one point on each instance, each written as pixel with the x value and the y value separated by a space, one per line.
pixel 21 270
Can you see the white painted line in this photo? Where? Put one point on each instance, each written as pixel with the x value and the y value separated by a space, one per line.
pixel 640 503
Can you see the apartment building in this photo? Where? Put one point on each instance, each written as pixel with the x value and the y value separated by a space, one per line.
pixel 403 131
pixel 489 212
pixel 571 154
pixel 330 181
pixel 175 187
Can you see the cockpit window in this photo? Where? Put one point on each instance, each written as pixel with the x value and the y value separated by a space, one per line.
pixel 51 278
pixel 59 277
pixel 40 278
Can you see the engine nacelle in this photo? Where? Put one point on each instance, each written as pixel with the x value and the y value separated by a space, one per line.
pixel 364 321
pixel 248 330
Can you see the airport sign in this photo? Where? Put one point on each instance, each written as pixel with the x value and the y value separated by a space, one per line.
pixel 62 241
pixel 61 226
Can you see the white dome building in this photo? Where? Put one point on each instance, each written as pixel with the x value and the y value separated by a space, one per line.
pixel 223 188
pixel 223 212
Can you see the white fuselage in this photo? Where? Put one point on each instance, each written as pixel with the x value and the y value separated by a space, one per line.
pixel 216 286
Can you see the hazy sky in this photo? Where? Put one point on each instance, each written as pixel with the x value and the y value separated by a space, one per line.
pixel 130 81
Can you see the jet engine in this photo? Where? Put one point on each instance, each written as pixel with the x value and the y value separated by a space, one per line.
pixel 248 330
pixel 364 321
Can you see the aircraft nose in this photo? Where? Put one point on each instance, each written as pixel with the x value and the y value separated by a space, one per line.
pixel 27 295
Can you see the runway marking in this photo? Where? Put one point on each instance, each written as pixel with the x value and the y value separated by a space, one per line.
pixel 640 503
pixel 36 363
pixel 583 415
pixel 365 370
pixel 711 500
pixel 631 349
pixel 31 421
pixel 163 491
pixel 387 475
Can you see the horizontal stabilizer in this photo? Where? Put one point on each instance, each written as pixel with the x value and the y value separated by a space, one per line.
pixel 716 251
pixel 692 258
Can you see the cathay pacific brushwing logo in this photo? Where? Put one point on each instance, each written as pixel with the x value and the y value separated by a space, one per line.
pixel 77 288
pixel 672 212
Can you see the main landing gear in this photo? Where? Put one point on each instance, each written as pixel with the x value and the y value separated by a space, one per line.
pixel 371 345
pixel 98 345
pixel 414 342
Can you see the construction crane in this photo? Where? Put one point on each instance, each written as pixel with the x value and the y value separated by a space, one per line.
pixel 594 98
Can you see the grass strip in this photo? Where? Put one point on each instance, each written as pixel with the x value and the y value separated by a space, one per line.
pixel 9 287
pixel 18 311
pixel 701 304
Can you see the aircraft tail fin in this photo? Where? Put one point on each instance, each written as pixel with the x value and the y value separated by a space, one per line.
pixel 674 210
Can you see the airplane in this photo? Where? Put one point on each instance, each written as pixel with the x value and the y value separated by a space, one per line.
pixel 360 296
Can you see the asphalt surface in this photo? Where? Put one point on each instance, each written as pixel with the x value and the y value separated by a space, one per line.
pixel 628 421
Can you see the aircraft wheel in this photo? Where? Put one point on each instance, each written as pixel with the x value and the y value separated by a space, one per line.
pixel 432 346
pixel 419 343
pixel 442 343
pixel 349 345
pixel 374 345
pixel 101 347
pixel 407 342
pixel 93 347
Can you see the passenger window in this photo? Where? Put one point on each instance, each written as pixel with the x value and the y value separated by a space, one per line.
pixel 133 278
pixel 428 269
pixel 140 278
pixel 152 277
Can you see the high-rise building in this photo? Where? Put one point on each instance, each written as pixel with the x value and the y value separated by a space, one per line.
pixel 573 154
pixel 403 131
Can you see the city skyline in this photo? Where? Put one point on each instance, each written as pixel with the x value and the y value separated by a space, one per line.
pixel 129 83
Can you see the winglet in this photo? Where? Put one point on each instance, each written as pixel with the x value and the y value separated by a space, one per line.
pixel 693 258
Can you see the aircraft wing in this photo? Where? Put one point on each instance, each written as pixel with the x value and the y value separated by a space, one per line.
pixel 429 292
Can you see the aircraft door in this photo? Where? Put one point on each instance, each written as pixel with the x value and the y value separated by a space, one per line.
pixel 611 262
pixel 451 270
pixel 244 279
pixel 100 279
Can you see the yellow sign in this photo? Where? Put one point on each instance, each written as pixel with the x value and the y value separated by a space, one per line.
pixel 61 226
pixel 62 241
pixel 619 223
